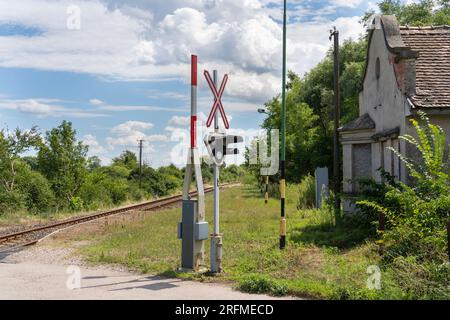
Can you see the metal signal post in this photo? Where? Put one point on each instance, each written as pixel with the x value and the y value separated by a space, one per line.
pixel 216 237
pixel 217 144
pixel 283 141
pixel 193 230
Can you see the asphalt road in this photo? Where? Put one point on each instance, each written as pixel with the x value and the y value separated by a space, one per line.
pixel 55 280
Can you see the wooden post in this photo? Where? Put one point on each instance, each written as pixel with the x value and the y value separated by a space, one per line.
pixel 337 118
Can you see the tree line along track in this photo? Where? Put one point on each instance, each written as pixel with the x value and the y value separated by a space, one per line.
pixel 34 235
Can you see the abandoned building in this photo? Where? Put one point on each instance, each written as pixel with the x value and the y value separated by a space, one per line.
pixel 407 70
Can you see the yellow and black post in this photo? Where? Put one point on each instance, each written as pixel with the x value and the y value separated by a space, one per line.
pixel 448 239
pixel 266 195
pixel 283 141
pixel 283 213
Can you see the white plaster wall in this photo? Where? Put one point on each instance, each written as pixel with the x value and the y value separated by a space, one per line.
pixel 382 98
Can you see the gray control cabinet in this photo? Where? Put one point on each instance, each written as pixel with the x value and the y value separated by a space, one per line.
pixel 191 233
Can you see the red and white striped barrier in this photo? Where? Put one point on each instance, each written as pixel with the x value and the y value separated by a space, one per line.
pixel 193 101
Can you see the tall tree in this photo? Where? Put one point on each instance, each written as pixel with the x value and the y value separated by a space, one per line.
pixel 93 163
pixel 62 159
pixel 11 147
pixel 310 109
pixel 424 12
pixel 127 159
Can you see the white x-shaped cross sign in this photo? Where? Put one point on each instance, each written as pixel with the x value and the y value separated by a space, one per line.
pixel 217 100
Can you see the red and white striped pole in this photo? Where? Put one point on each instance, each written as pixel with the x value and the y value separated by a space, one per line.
pixel 193 101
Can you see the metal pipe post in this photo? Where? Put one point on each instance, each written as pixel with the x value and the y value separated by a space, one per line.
pixel 216 239
pixel 216 171
pixel 283 141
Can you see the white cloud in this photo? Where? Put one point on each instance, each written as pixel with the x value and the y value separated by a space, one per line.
pixel 96 102
pixel 130 132
pixel 157 94
pixel 33 106
pixel 309 42
pixel 46 108
pixel 94 146
pixel 143 53
pixel 179 121
pixel 153 41
pixel 347 3
pixel 131 126
pixel 185 121
pixel 156 138
pixel 125 108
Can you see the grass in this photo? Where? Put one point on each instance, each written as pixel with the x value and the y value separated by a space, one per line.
pixel 320 261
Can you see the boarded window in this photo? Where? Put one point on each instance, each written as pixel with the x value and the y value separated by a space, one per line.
pixel 362 162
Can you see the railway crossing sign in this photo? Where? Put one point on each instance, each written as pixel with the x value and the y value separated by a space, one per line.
pixel 218 147
pixel 217 100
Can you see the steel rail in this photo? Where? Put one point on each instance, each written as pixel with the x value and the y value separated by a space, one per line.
pixel 146 206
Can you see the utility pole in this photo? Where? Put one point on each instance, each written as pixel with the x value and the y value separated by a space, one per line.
pixel 140 162
pixel 283 141
pixel 337 114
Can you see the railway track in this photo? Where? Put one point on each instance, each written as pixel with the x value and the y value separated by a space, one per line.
pixel 33 235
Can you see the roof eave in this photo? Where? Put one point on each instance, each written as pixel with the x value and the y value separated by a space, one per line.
pixel 432 110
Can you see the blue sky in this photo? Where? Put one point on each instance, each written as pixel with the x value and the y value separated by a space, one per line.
pixel 119 70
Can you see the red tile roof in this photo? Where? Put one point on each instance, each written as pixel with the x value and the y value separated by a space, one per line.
pixel 432 65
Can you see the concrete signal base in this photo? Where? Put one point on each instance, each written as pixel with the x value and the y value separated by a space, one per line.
pixel 216 253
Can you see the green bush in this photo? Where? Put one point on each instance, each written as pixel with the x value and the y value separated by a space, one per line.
pixel 31 192
pixel 153 182
pixel 36 190
pixel 424 207
pixel 231 173
pixel 94 192
pixel 307 193
pixel 76 204
pixel 415 239
pixel 11 202
pixel 249 179
pixel 118 190
pixel 135 193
